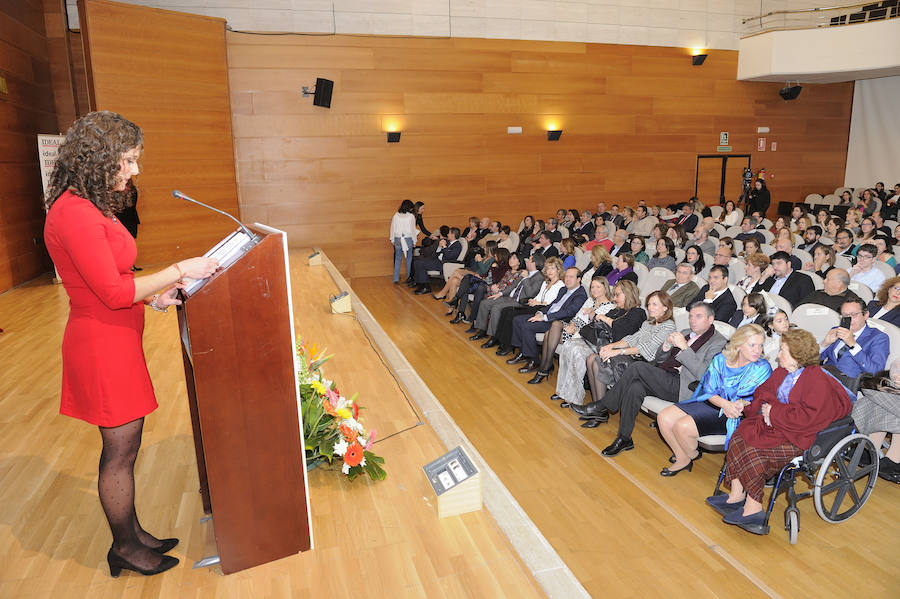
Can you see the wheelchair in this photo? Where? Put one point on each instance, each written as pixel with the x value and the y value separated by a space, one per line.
pixel 842 467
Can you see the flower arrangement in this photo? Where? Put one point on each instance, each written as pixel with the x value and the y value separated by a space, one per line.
pixel 331 425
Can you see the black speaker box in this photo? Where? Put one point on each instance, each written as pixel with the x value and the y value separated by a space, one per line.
pixel 323 92
pixel 789 92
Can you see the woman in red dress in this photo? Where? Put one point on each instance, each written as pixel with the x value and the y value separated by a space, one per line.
pixel 105 380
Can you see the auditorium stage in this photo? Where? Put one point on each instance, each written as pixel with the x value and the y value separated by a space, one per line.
pixel 373 539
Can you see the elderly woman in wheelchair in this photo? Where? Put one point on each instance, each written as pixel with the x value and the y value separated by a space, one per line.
pixel 787 412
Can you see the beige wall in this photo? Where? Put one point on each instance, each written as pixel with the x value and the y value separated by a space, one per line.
pixel 634 118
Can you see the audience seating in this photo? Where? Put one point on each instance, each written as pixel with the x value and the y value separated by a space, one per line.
pixel 862 290
pixel 843 262
pixel 818 281
pixel 776 301
pixel 816 319
pixel 893 333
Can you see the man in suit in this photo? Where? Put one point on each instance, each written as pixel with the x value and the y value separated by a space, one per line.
pixel 552 230
pixel 515 295
pixel 811 239
pixel 688 220
pixel 448 251
pixel 601 211
pixel 702 240
pixel 680 361
pixel 786 246
pixel 717 294
pixel 544 247
pixel 835 291
pixel 525 327
pixel 790 284
pixel 859 348
pixel 843 244
pixel 643 223
pixel 614 216
pixel 682 288
pixel 748 231
pixel 584 230
pixel 493 233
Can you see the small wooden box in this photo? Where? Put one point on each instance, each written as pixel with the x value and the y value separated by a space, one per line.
pixel 456 483
pixel 315 259
pixel 340 304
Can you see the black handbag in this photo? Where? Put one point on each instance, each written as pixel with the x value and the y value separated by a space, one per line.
pixel 597 334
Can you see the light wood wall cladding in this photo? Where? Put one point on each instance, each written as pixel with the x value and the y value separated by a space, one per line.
pixel 634 120
pixel 167 72
pixel 24 112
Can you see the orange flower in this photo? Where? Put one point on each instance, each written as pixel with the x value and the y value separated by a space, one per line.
pixel 354 454
pixel 329 408
pixel 348 433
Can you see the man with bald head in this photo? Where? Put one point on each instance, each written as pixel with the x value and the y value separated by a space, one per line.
pixel 835 293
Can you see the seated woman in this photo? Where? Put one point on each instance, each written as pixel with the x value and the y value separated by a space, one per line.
pixel 638 247
pixel 834 224
pixel 729 216
pixel 823 260
pixel 752 311
pixel 553 273
pixel 718 402
pixel 852 220
pixel 775 327
pixel 480 266
pixel 751 246
pixel 601 263
pixel 678 236
pixel 624 270
pixel 598 302
pixel 693 255
pixel 475 282
pixel 567 246
pixel 877 413
pixel 780 223
pixel 787 412
pixel 624 319
pixel 659 231
pixel 755 265
pixel 664 258
pixel 606 366
pixel 886 305
pixel 885 247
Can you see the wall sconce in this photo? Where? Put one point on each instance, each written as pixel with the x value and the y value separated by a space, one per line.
pixel 553 134
pixel 697 56
pixel 393 137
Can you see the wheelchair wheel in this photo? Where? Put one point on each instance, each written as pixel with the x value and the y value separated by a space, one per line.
pixel 792 524
pixel 842 483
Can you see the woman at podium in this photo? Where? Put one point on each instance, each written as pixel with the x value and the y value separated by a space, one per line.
pixel 105 381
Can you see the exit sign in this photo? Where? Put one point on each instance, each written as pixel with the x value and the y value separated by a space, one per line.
pixel 723 138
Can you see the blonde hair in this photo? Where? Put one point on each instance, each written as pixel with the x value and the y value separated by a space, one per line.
pixel 604 283
pixel 556 263
pixel 739 338
pixel 599 255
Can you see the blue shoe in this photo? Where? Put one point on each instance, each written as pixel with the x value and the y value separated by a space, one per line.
pixel 721 505
pixel 754 523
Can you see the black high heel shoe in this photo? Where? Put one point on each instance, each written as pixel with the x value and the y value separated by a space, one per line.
pixel 667 472
pixel 167 545
pixel 694 459
pixel 118 563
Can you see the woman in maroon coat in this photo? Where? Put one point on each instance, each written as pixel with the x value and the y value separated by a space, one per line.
pixel 787 412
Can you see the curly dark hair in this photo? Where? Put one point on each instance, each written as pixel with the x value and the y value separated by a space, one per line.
pixel 89 160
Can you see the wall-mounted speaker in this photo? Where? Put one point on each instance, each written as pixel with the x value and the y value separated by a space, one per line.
pixel 788 92
pixel 323 92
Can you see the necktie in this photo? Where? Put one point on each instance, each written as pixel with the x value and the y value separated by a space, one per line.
pixel 842 351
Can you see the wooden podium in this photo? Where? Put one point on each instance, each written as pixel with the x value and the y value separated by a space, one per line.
pixel 238 343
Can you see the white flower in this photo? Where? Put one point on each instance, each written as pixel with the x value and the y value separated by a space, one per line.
pixel 340 448
pixel 353 424
pixel 345 469
pixel 363 462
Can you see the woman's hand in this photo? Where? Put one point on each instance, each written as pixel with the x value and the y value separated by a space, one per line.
pixel 198 268
pixel 766 408
pixel 570 328
pixel 733 409
pixel 169 297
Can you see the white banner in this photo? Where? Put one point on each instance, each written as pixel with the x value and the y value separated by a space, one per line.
pixel 873 153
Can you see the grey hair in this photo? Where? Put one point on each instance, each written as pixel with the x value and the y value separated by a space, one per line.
pixel 705 306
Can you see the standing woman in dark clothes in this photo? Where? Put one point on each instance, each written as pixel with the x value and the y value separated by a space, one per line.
pixel 105 381
pixel 420 224
pixel 760 198
pixel 128 215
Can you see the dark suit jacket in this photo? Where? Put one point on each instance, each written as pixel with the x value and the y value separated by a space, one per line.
pixel 450 253
pixel 688 222
pixel 892 317
pixel 550 252
pixel 739 316
pixel 724 305
pixel 797 287
pixel 570 308
pixel 872 357
pixel 530 288
pixel 585 233
pixel 683 295
pixel 829 301
pixel 694 360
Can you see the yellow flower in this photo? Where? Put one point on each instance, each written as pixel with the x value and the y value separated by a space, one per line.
pixel 318 387
pixel 344 413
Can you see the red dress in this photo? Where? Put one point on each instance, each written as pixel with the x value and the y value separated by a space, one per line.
pixel 105 379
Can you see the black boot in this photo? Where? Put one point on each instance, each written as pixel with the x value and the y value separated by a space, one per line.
pixel 530 366
pixel 537 379
pixel 519 358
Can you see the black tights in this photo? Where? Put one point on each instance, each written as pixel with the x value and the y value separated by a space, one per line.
pixel 598 389
pixel 115 485
pixel 549 345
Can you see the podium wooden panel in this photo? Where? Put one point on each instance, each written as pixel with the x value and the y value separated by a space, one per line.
pixel 237 346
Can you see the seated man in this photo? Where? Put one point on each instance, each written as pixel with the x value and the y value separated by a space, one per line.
pixel 865 272
pixel 835 292
pixel 723 257
pixel 702 240
pixel 601 212
pixel 643 223
pixel 749 231
pixel 448 250
pixel 525 327
pixel 508 239
pixel 680 361
pixel 811 238
pixel 785 245
pixel 552 229
pixel 717 294
pixel 790 284
pixel 493 233
pixel 682 288
pixel 843 244
pixel 857 349
pixel 614 216
pixel 620 243
pixel 544 247
pixel 688 219
pixel 517 294
pixel 584 230
pixel 600 238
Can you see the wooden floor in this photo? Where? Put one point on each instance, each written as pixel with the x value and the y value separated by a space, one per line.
pixel 373 540
pixel 621 528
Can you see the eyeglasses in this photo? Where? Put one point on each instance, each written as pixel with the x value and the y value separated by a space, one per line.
pixel 854 315
pixel 866 256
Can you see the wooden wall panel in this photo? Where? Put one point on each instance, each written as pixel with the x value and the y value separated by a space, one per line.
pixel 25 111
pixel 167 72
pixel 634 120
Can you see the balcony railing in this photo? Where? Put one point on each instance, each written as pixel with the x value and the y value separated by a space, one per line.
pixel 827 16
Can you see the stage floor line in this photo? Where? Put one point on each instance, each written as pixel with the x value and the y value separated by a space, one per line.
pixel 373 540
pixel 623 530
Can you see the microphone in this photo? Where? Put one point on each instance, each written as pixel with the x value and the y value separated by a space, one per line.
pixel 247 231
